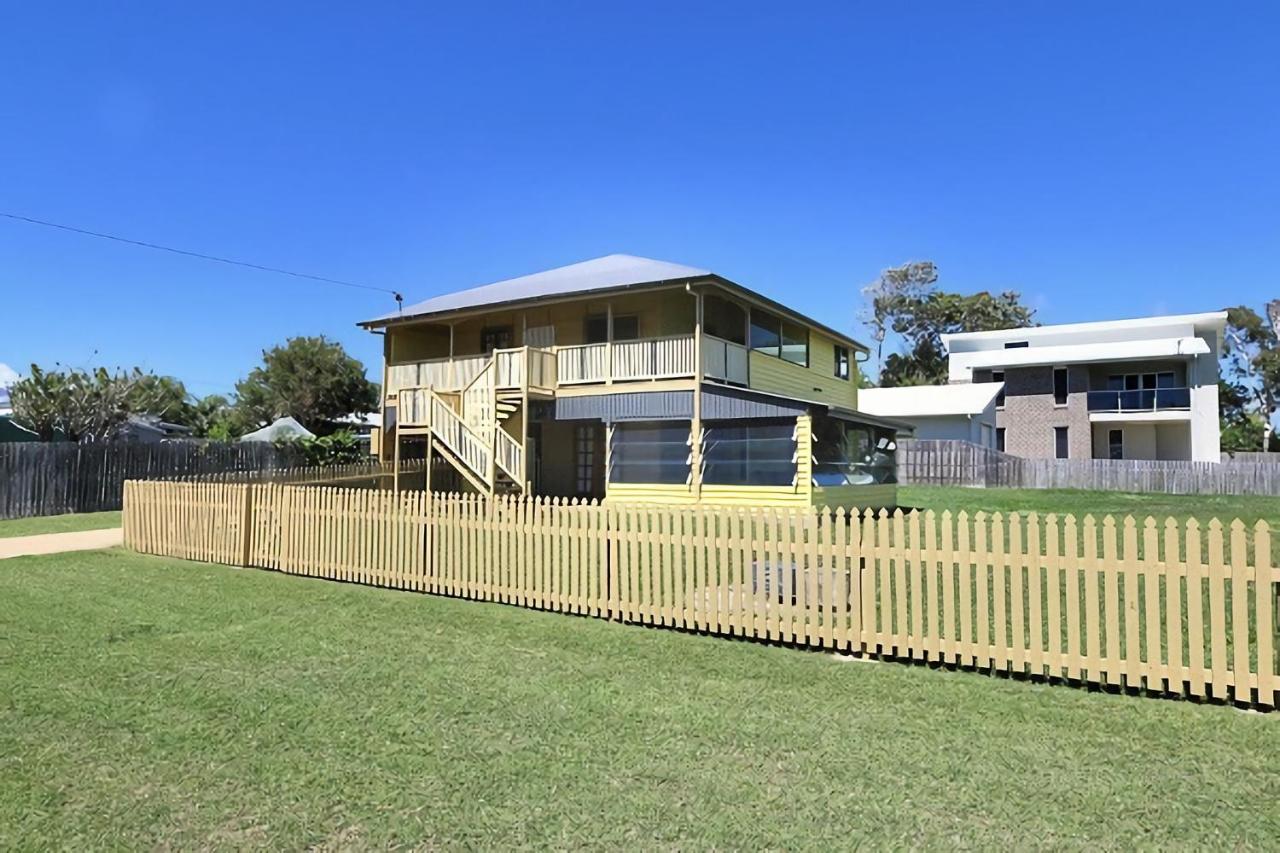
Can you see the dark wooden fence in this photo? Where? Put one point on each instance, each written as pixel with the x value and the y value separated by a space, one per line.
pixel 938 462
pixel 50 479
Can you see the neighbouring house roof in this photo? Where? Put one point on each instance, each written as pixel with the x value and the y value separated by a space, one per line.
pixel 1207 321
pixel 282 429
pixel 599 275
pixel 915 401
pixel 1086 353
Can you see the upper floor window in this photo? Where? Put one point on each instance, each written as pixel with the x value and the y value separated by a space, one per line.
pixel 998 376
pixel 772 335
pixel 1017 344
pixel 842 362
pixel 1059 386
pixel 724 319
pixel 595 329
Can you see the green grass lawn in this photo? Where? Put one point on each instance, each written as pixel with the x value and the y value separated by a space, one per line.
pixel 1226 508
pixel 150 702
pixel 59 523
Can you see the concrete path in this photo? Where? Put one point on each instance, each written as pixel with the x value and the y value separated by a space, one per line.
pixel 56 543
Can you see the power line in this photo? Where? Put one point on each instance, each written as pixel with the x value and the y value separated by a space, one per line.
pixel 395 293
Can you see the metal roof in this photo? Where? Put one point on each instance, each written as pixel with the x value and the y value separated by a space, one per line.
pixel 929 400
pixel 607 273
pixel 611 272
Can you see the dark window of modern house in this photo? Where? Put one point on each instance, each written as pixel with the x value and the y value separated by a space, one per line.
pixel 1059 386
pixel 998 376
pixel 1115 444
pixel 724 319
pixel 1060 448
pixel 595 329
pixel 650 453
pixel 842 362
pixel 762 453
pixel 1000 439
pixel 1017 345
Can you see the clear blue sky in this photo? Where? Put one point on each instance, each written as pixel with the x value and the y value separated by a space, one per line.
pixel 1107 160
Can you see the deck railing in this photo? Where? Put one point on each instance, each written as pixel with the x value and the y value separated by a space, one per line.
pixel 624 361
pixel 442 374
pixel 725 360
pixel 670 357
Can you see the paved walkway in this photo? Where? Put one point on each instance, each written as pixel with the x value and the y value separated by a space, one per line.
pixel 56 543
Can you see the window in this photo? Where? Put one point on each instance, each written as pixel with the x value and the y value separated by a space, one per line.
pixel 495 337
pixel 1060 447
pixel 596 328
pixel 626 328
pixel 650 453
pixel 586 462
pixel 1115 444
pixel 724 319
pixel 1017 344
pixel 842 362
pixel 766 332
pixel 998 376
pixel 1000 439
pixel 774 336
pixel 1059 386
pixel 762 453
pixel 852 454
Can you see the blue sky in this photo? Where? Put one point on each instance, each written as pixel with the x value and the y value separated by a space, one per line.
pixel 1107 160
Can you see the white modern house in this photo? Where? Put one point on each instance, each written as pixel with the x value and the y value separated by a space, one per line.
pixel 963 411
pixel 1118 389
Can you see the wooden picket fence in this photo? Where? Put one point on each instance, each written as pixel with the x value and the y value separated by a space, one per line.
pixel 1167 607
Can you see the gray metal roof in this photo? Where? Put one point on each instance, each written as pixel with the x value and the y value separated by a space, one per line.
pixel 607 273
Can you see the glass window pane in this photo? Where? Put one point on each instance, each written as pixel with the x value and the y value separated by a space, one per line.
pixel 724 319
pixel 650 453
pixel 596 329
pixel 766 332
pixel 755 454
pixel 626 328
pixel 795 344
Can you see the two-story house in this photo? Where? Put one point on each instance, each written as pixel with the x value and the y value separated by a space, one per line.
pixel 1119 389
pixel 624 378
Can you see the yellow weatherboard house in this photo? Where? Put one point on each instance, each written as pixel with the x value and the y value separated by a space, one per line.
pixel 630 379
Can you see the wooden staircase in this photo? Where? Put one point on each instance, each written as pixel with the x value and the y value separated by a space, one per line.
pixel 466 430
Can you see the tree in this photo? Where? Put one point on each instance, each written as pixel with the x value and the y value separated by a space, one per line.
pixel 81 405
pixel 311 379
pixel 1251 372
pixel 906 301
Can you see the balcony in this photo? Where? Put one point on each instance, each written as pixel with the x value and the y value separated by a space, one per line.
pixel 670 357
pixel 1140 401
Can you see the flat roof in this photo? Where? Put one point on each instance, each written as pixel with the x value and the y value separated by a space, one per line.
pixel 963 398
pixel 1209 318
pixel 610 273
pixel 1150 348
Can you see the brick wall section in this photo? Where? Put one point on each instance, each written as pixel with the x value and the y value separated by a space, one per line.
pixel 1029 413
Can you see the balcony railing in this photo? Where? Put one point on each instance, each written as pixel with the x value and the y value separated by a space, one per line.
pixel 1143 400
pixel 725 360
pixel 624 361
pixel 545 369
